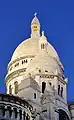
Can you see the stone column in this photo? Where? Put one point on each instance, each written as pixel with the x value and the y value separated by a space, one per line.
pixel 18 115
pixel 7 114
pixel 57 114
pixel 1 112
pixel 23 116
pixel 13 114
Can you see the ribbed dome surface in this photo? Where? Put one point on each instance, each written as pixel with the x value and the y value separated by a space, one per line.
pixel 27 47
pixel 31 47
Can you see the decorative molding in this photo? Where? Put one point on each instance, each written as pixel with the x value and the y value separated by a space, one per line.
pixel 21 72
pixel 14 74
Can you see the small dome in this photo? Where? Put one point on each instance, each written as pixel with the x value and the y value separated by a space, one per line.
pixel 35 20
pixel 43 39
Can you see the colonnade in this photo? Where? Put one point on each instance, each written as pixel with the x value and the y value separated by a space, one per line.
pixel 13 113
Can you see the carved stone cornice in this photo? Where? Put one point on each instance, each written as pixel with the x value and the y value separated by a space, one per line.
pixel 22 71
pixel 52 77
pixel 14 74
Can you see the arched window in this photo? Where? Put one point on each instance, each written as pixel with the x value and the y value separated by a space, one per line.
pixel 50 83
pixel 42 46
pixel 20 112
pixel 10 111
pixel 17 64
pixel 15 112
pixel 61 91
pixel 43 86
pixel 26 61
pixel 10 89
pixel 16 87
pixel 58 89
pixel 34 95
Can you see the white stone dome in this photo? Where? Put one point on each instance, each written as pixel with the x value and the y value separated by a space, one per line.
pixel 31 46
pixel 27 47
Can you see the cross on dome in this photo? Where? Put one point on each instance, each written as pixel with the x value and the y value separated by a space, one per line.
pixel 42 33
pixel 35 14
pixel 35 20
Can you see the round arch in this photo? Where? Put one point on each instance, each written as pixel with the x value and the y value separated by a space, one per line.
pixel 63 115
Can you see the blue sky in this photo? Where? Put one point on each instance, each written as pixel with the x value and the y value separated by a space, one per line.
pixel 57 20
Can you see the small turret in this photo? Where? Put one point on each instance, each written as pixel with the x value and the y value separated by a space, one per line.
pixel 43 42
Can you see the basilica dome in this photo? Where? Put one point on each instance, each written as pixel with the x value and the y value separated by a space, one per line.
pixel 31 46
pixel 34 52
pixel 34 56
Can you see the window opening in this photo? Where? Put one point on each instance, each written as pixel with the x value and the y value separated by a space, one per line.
pixel 46 71
pixel 22 62
pixel 20 112
pixel 15 111
pixel 39 70
pixel 17 64
pixel 43 86
pixel 50 83
pixel 11 68
pixel 35 26
pixel 61 91
pixel 26 61
pixel 16 87
pixel 34 95
pixel 42 46
pixel 58 89
pixel 10 90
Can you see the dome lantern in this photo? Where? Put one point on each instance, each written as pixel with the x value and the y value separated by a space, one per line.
pixel 35 26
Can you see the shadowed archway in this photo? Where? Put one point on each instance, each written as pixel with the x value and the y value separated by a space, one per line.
pixel 63 115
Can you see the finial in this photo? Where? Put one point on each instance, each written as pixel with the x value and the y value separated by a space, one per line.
pixel 35 14
pixel 42 33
